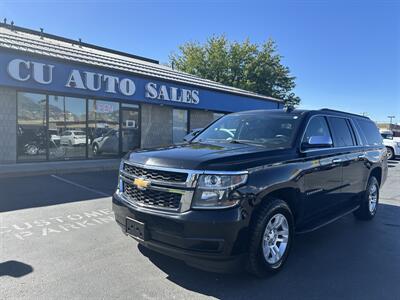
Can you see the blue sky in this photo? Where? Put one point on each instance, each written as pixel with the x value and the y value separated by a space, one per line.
pixel 345 54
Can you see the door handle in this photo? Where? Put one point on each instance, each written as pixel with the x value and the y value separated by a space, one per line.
pixel 336 160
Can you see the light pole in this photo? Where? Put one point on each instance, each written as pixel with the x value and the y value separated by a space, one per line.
pixel 391 118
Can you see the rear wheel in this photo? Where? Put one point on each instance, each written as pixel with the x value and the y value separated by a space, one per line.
pixel 369 201
pixel 272 235
pixel 390 153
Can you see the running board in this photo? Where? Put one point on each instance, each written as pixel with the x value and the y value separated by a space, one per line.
pixel 326 221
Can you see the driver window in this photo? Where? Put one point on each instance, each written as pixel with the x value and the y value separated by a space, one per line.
pixel 316 127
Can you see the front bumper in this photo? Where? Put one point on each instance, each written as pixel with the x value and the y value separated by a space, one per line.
pixel 213 240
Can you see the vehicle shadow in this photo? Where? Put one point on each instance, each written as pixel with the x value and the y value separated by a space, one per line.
pixel 15 269
pixel 347 259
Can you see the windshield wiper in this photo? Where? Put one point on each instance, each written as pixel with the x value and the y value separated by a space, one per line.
pixel 243 142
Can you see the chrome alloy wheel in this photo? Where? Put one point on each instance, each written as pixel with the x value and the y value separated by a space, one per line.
pixel 372 198
pixel 275 238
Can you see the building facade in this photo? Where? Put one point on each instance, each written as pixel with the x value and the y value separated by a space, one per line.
pixel 62 99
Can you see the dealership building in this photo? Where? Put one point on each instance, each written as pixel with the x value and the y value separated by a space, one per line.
pixel 63 99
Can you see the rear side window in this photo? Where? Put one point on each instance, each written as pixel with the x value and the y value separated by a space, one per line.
pixel 370 132
pixel 316 127
pixel 342 136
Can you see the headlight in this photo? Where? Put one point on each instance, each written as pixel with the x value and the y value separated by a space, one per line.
pixel 217 191
pixel 121 167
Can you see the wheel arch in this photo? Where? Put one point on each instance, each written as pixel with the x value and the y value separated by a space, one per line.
pixel 377 173
pixel 290 195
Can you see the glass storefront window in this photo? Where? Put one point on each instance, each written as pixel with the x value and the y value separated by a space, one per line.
pixel 130 128
pixel 179 125
pixel 103 128
pixel 217 116
pixel 31 127
pixel 67 128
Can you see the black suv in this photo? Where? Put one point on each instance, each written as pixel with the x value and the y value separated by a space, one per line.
pixel 236 194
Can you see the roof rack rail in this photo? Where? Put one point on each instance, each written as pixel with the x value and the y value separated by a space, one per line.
pixel 343 112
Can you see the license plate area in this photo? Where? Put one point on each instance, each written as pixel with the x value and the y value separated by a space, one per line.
pixel 136 229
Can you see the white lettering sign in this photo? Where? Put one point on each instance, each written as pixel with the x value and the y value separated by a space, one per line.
pixel 162 92
pixel 24 70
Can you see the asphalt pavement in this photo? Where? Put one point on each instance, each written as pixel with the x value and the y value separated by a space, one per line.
pixel 59 240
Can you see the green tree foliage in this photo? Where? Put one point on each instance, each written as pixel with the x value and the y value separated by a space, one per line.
pixel 247 66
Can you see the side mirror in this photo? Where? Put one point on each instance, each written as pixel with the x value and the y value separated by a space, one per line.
pixel 318 142
pixel 192 134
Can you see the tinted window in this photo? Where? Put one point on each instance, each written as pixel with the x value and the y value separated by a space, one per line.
pixel 180 125
pixel 316 127
pixel 103 116
pixel 271 130
pixel 31 120
pixel 342 136
pixel 370 132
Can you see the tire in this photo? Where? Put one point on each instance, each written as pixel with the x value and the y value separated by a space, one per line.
pixel 95 150
pixel 261 259
pixel 369 201
pixel 390 153
pixel 32 149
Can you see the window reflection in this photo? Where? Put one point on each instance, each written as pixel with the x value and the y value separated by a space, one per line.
pixel 103 128
pixel 31 128
pixel 67 127
pixel 180 125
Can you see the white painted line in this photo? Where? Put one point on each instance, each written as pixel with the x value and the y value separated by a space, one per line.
pixel 80 186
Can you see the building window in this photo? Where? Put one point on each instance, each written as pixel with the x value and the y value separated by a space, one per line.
pixel 103 128
pixel 67 128
pixel 179 125
pixel 31 127
pixel 216 116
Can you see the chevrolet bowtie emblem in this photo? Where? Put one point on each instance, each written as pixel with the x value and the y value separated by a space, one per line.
pixel 141 183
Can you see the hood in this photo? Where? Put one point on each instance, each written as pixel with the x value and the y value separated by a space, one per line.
pixel 209 156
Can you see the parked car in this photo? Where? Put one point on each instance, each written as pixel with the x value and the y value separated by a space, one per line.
pixel 73 137
pixel 108 143
pixel 221 202
pixel 392 144
pixel 54 137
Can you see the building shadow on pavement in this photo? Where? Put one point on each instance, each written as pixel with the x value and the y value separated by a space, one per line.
pixel 347 259
pixel 44 190
pixel 15 269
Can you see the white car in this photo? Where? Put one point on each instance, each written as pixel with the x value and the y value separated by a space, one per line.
pixel 73 137
pixel 392 144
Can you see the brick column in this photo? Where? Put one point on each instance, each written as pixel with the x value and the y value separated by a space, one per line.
pixel 156 126
pixel 8 125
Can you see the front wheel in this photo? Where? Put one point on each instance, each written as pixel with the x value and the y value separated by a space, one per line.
pixel 369 201
pixel 271 239
pixel 96 150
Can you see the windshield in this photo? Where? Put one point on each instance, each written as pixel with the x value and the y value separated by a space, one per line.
pixel 388 136
pixel 265 129
pixel 79 133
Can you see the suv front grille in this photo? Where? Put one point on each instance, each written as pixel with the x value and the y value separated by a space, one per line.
pixel 159 175
pixel 159 199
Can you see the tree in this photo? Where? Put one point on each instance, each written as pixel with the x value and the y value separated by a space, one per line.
pixel 247 66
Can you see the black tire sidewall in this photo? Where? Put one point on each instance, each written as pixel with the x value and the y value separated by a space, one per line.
pixel 260 266
pixel 371 181
pixel 390 153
